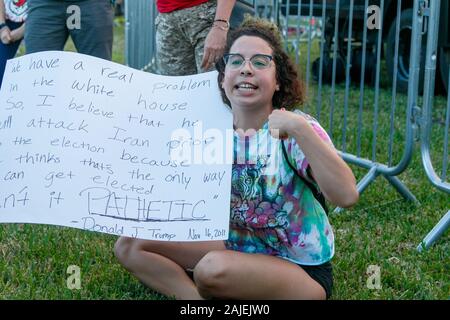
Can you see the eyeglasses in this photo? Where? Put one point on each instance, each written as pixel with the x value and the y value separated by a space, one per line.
pixel 258 61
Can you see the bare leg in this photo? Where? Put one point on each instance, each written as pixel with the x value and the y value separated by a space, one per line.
pixel 237 275
pixel 161 265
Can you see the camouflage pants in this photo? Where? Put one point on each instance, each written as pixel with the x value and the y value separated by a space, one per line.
pixel 180 39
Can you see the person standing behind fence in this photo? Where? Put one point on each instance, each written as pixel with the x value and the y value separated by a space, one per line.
pixel 88 22
pixel 12 28
pixel 190 35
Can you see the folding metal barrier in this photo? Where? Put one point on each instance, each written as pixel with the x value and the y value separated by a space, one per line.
pixel 335 63
pixel 140 33
pixel 426 124
pixel 349 50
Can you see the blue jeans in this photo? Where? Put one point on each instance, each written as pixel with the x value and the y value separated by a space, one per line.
pixel 8 51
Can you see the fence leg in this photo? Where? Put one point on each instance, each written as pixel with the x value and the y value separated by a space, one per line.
pixel 436 233
pixel 401 188
pixel 362 184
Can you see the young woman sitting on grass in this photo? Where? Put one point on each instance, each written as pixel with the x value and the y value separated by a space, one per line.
pixel 280 242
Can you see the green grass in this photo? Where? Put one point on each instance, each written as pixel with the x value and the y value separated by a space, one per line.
pixel 382 229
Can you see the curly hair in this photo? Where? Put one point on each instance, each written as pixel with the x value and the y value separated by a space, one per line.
pixel 291 92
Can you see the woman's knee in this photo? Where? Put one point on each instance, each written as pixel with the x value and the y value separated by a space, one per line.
pixel 123 250
pixel 210 273
pixel 129 250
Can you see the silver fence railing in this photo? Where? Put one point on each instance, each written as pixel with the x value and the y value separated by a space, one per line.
pixel 429 150
pixel 140 33
pixel 358 97
pixel 346 47
pixel 340 57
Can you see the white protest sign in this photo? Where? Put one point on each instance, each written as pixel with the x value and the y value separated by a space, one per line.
pixel 95 145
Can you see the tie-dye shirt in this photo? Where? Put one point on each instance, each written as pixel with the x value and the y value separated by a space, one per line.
pixel 272 211
pixel 16 10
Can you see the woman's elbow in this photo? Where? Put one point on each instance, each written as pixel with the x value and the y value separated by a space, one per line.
pixel 349 199
pixel 344 199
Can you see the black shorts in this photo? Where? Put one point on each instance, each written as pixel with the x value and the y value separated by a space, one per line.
pixel 323 274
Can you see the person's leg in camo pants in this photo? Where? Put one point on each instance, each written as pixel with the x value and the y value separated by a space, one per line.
pixel 180 39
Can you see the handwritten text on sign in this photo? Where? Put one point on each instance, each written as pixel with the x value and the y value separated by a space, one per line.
pixel 95 145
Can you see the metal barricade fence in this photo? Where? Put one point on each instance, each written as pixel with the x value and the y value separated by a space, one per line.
pixel 439 180
pixel 140 34
pixel 341 50
pixel 332 60
pixel 338 46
